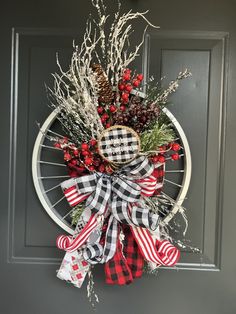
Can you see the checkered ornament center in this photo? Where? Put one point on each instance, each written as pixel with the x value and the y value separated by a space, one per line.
pixel 119 144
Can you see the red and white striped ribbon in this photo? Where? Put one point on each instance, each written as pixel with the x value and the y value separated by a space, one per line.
pixel 70 244
pixel 159 252
pixel 148 185
pixel 73 197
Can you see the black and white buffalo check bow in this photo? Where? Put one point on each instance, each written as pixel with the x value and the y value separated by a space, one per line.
pixel 115 204
pixel 118 195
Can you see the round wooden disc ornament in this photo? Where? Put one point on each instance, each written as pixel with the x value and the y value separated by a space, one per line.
pixel 119 144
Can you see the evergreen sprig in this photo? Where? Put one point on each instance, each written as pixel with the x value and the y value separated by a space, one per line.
pixel 75 215
pixel 160 134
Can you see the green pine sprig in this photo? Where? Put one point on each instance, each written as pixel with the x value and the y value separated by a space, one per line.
pixel 75 215
pixel 160 134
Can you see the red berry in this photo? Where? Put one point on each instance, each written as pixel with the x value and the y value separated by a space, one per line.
pixel 126 77
pixel 161 173
pixel 175 147
pixel 88 161
pixel 103 119
pixel 121 86
pixel 108 169
pixel 67 156
pixel 128 88
pixel 101 168
pixel 76 152
pixel 100 110
pixel 125 96
pixel 155 159
pixel 162 148
pixel 175 156
pixel 84 146
pixel 73 174
pixel 108 125
pixel 91 168
pixel 122 108
pixel 92 142
pixel 57 145
pixel 85 153
pixel 136 83
pixel 105 116
pixel 112 108
pixel 127 71
pixel 161 159
pixel 65 139
pixel 140 77
pixel 96 162
pixel 74 162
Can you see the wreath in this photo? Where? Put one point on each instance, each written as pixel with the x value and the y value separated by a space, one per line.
pixel 119 139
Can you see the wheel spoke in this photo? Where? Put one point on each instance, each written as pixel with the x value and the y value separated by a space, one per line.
pixel 172 182
pixel 50 131
pixel 52 188
pixel 174 171
pixel 71 211
pixel 55 177
pixel 51 163
pixel 58 201
pixel 50 147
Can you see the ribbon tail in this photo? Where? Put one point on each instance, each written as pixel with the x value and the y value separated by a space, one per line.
pixel 95 253
pixel 70 244
pixel 159 252
pixel 132 254
pixel 117 270
pixel 111 239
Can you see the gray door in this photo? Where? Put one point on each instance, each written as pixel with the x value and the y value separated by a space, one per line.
pixel 200 35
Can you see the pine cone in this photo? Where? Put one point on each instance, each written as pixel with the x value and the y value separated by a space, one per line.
pixel 105 90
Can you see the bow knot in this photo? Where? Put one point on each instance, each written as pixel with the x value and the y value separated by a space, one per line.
pixel 102 190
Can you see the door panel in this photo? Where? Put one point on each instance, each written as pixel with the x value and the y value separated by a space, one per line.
pixel 200 36
pixel 199 106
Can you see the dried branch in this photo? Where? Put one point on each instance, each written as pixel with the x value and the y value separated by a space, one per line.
pixel 75 92
pixel 118 56
pixel 173 86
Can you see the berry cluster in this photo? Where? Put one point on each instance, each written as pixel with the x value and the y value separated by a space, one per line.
pixel 108 112
pixel 161 157
pixel 105 113
pixel 138 115
pixel 126 85
pixel 83 159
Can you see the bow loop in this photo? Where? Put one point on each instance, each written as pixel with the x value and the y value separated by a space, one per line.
pixel 141 167
pixel 86 184
pixel 126 189
pixel 98 200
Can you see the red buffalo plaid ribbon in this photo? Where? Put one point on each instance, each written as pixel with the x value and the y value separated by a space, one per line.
pixel 132 254
pixel 117 270
pixel 126 264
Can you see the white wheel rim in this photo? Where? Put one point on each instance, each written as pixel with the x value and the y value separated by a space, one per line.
pixel 38 184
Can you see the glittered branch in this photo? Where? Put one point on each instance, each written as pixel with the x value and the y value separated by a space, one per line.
pixel 173 86
pixel 75 91
pixel 118 55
